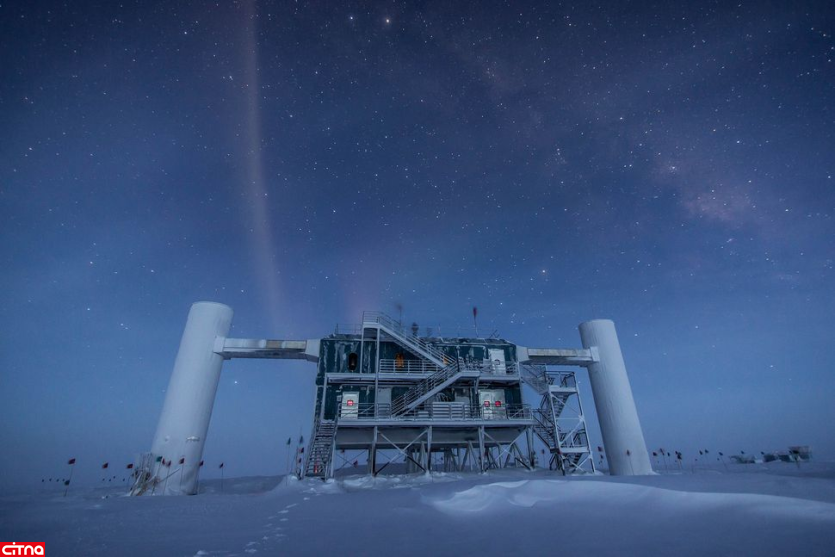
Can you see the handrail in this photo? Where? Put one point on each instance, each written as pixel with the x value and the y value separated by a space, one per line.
pixel 324 430
pixel 425 366
pixel 535 376
pixel 408 366
pixel 397 328
pixel 423 387
pixel 487 366
pixel 456 411
pixel 542 420
pixel 538 377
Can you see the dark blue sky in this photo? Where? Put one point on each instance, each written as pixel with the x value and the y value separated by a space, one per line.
pixel 666 166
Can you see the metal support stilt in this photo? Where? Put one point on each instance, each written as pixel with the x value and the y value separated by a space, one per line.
pixel 481 452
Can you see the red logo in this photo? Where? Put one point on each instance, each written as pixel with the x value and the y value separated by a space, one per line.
pixel 21 548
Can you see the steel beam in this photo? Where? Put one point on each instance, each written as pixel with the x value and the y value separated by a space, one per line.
pixel 556 356
pixel 268 349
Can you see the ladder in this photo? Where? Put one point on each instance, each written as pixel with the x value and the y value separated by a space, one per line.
pixel 320 451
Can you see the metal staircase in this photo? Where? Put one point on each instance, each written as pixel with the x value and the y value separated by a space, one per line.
pixel 410 342
pixel 430 386
pixel 320 451
pixel 450 371
pixel 568 445
pixel 544 428
pixel 535 376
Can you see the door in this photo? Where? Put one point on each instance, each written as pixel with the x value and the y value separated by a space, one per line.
pixel 497 361
pixel 487 401
pixel 383 402
pixel 350 406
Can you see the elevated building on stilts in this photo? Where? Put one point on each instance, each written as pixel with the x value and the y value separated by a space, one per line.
pixel 387 395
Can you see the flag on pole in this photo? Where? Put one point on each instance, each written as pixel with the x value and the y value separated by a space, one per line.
pixel 289 440
pixel 105 465
pixel 129 466
pixel 159 459
pixel 221 465
pixel 182 460
pixel 201 464
pixel 71 461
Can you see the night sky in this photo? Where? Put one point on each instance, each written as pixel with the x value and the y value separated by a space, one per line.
pixel 666 166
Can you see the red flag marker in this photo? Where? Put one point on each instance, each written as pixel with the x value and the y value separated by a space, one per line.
pixel 221 465
pixel 183 460
pixel 105 465
pixel 71 461
pixel 129 466
pixel 201 464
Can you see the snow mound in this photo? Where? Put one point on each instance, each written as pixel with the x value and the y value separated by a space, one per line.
pixel 406 481
pixel 502 497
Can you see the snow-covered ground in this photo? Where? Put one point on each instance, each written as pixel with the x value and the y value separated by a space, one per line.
pixel 777 509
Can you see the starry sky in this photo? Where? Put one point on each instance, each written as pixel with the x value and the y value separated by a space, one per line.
pixel 666 165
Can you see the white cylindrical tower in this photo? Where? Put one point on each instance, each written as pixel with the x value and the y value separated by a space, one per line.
pixel 184 421
pixel 623 438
